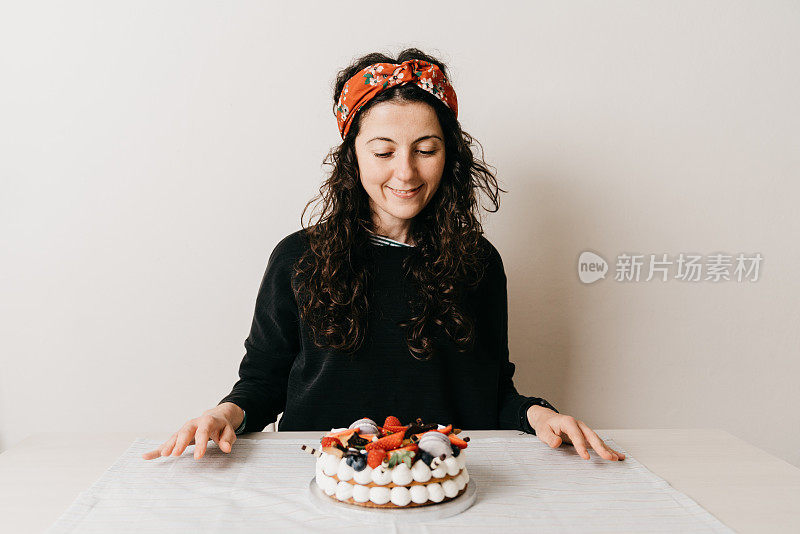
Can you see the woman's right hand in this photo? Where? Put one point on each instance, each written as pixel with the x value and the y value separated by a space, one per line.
pixel 216 424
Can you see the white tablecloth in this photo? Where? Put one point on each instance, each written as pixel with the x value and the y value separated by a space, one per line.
pixel 523 486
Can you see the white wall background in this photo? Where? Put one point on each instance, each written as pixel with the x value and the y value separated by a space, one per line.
pixel 154 153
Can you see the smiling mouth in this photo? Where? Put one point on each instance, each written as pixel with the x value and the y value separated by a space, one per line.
pixel 405 190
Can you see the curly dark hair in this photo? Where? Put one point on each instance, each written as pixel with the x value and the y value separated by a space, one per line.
pixel 333 276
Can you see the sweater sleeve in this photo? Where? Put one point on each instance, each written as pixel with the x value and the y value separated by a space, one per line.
pixel 271 346
pixel 512 406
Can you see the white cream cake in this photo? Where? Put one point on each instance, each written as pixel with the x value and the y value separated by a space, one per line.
pixel 392 466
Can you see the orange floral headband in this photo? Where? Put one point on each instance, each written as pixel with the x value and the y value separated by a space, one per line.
pixel 377 78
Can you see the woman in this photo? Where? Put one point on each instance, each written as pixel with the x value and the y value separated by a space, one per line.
pixel 393 303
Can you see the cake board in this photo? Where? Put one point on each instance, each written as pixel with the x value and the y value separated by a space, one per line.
pixel 431 512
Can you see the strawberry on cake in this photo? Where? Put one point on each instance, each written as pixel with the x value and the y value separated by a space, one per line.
pixel 391 466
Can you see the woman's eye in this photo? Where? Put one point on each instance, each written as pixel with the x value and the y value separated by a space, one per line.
pixel 425 152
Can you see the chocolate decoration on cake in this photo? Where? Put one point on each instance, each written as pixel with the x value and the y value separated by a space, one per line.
pixel 418 427
pixel 357 441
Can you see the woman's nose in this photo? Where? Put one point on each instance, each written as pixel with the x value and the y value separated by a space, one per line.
pixel 404 165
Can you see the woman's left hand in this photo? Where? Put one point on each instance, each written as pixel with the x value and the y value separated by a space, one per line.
pixel 553 428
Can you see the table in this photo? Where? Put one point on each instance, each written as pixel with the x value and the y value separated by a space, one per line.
pixel 744 487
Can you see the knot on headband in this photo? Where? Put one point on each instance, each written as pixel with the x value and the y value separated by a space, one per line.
pixel 370 81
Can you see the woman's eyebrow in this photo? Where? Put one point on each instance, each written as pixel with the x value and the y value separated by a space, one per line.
pixel 392 141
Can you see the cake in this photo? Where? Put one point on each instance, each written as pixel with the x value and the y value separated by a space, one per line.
pixel 391 466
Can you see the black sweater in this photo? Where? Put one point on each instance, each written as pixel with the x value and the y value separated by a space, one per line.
pixel 282 370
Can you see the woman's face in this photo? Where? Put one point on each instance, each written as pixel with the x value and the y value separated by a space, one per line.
pixel 399 147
